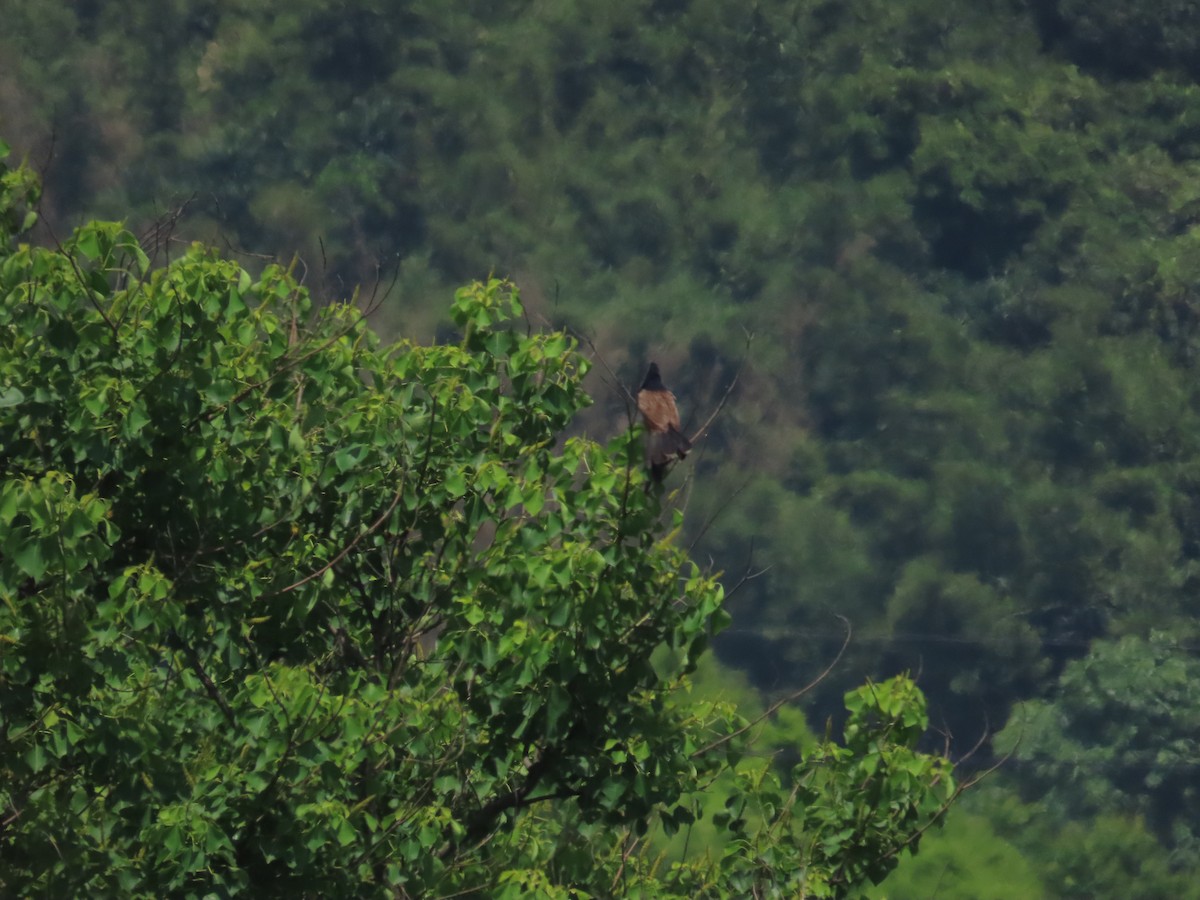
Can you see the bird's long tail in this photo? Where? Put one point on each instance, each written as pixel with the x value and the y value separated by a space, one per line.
pixel 666 446
pixel 677 443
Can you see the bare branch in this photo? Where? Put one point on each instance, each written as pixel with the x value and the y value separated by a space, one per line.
pixel 795 695
pixel 695 438
pixel 210 686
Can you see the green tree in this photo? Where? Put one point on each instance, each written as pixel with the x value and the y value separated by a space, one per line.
pixel 1119 735
pixel 289 611
pixel 970 420
pixel 1106 857
pixel 1122 37
pixel 969 862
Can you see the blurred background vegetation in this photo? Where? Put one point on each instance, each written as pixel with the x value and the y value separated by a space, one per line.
pixel 964 236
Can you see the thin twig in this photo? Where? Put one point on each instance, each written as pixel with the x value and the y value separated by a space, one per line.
pixel 770 710
pixel 210 686
pixel 350 546
pixel 725 397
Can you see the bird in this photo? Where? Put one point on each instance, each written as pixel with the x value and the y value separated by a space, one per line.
pixel 664 441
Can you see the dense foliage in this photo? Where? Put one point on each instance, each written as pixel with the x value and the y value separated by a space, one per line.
pixel 291 612
pixel 963 234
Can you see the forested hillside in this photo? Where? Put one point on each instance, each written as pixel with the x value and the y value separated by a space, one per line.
pixel 962 235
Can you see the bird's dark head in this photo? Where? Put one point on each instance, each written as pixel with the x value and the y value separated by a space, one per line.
pixel 653 380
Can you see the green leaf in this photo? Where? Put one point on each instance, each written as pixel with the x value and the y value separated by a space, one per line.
pixel 30 559
pixel 456 484
pixel 89 242
pixel 535 500
pixel 296 439
pixel 138 418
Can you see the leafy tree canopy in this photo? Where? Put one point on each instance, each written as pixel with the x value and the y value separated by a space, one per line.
pixel 288 611
pixel 1120 734
pixel 963 232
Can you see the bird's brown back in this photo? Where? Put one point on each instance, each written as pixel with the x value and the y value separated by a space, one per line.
pixel 658 410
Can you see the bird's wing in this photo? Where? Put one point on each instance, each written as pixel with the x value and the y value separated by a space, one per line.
pixel 658 409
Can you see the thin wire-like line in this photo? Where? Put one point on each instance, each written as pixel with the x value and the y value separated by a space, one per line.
pixel 912 637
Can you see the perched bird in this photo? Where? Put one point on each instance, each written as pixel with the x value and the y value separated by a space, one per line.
pixel 664 441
